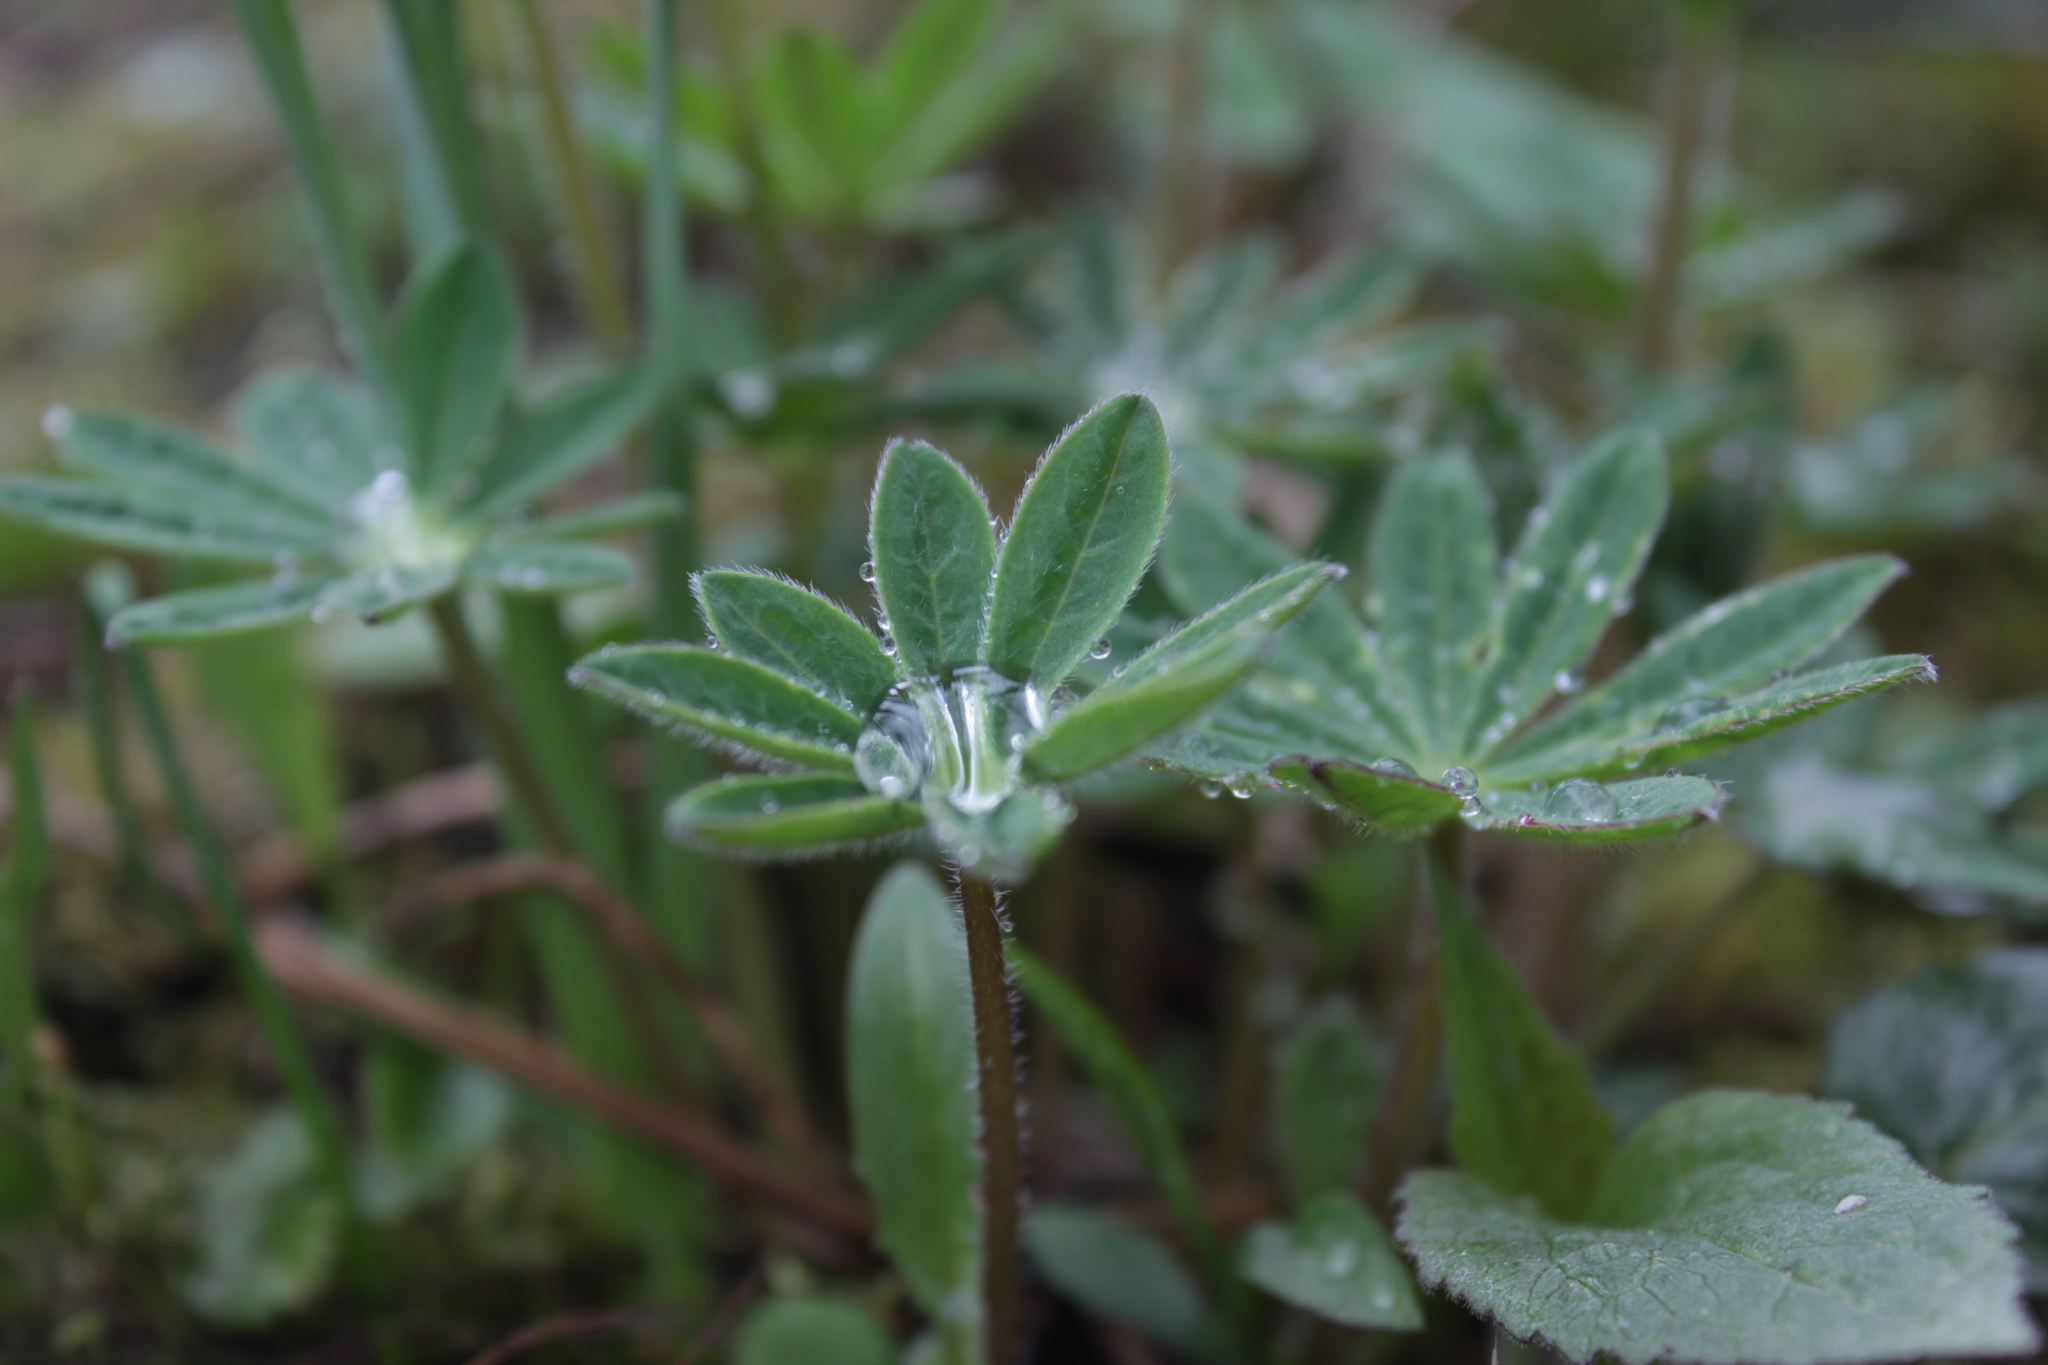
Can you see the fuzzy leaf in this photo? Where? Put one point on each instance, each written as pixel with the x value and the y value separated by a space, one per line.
pixel 1523 1114
pixel 725 698
pixel 785 814
pixel 1954 1063
pixel 1083 532
pixel 798 633
pixel 452 343
pixel 1325 1091
pixel 1433 560
pixel 1716 1237
pixel 312 430
pixel 1578 557
pixel 1173 680
pixel 1337 1263
pixel 1118 1272
pixel 1581 811
pixel 377 594
pixel 205 613
pixel 539 564
pixel 811 1331
pixel 910 1075
pixel 137 453
pixel 605 518
pixel 1388 800
pixel 550 443
pixel 933 543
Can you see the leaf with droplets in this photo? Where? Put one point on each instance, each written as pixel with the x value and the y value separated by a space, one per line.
pixel 798 633
pixel 1581 811
pixel 1390 800
pixel 379 593
pixel 549 443
pixel 1337 1263
pixel 452 341
pixel 147 520
pixel 311 429
pixel 539 564
pixel 1082 535
pixel 620 514
pixel 727 699
pixel 139 453
pixel 787 815
pixel 933 545
pixel 206 613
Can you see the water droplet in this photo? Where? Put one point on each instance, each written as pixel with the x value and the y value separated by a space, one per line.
pixel 1100 649
pixel 1568 683
pixel 533 580
pixel 867 571
pixel 1394 766
pixel 1340 1260
pixel 1469 808
pixel 749 393
pixel 58 421
pixel 1576 800
pixel 321 613
pixel 769 805
pixel 1461 780
pixel 1239 787
pixel 1690 712
pixel 1597 588
pixel 1212 790
pixel 1525 820
pixel 956 741
pixel 1851 1203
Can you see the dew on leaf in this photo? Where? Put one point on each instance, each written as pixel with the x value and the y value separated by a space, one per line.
pixel 1581 801
pixel 1461 780
pixel 1851 1203
pixel 1568 683
pixel 1212 790
pixel 1394 766
pixel 1690 712
pixel 1100 649
pixel 769 805
pixel 867 571
pixel 1597 588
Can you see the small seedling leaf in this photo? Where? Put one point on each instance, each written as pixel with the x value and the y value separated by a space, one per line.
pixel 1581 811
pixel 137 453
pixel 149 520
pixel 1337 1263
pixel 1387 799
pixel 933 544
pixel 313 431
pixel 798 633
pixel 811 1330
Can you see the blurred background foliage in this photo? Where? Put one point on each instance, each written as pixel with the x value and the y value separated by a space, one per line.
pixel 1470 193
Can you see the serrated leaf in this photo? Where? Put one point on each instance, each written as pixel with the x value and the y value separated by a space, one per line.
pixel 1579 555
pixel 144 519
pixel 1084 530
pixel 381 592
pixel 606 518
pixel 911 1087
pixel 1172 681
pixel 1120 1273
pixel 539 564
pixel 1337 1263
pixel 314 430
pixel 1954 1063
pixel 1325 1091
pixel 207 613
pixel 933 545
pixel 546 445
pixel 134 453
pixel 725 698
pixel 452 342
pixel 1388 800
pixel 1524 1117
pixel 798 633
pixel 787 814
pixel 1731 647
pixel 1725 1233
pixel 1433 561
pixel 1582 811
pixel 811 1330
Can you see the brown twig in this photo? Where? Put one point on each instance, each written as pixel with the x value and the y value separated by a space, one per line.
pixel 561 1327
pixel 295 956
pixel 1002 1267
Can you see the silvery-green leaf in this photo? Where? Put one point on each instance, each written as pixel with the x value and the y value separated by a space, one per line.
pixel 1337 1263
pixel 138 454
pixel 1735 1229
pixel 798 633
pixel 1389 800
pixel 267 1230
pixel 910 1075
pixel 540 564
pixel 1999 758
pixel 933 546
pixel 1082 535
pixel 1578 557
pixel 811 1330
pixel 1355 292
pixel 1581 811
pixel 144 519
pixel 382 591
pixel 787 815
pixel 452 341
pixel 1325 1090
pixel 1173 680
pixel 1215 290
pixel 1954 1063
pixel 1524 1117
pixel 204 613
pixel 1433 561
pixel 546 445
pixel 313 430
pixel 605 518
pixel 1118 1272
pixel 1734 646
pixel 725 698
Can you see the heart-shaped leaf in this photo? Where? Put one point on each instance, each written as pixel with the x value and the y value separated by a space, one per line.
pixel 1337 1263
pixel 778 814
pixel 725 698
pixel 933 544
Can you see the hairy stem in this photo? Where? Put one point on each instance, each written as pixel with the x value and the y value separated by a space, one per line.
pixel 1701 45
pixel 1002 1271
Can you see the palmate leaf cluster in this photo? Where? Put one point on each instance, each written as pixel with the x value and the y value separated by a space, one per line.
pixel 352 507
pixel 1460 693
pixel 954 719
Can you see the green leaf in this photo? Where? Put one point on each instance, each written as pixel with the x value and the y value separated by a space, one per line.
pixel 1731 647
pixel 1083 532
pixel 2001 756
pixel 780 814
pixel 1172 681
pixel 811 1330
pixel 313 431
pixel 1577 559
pixel 429 1118
pixel 933 545
pixel 1123 1080
pixel 1389 799
pixel 1118 1272
pixel 538 564
pixel 1523 1114
pixel 621 514
pixel 1433 563
pixel 1580 811
pixel 137 453
pixel 208 613
pixel 970 109
pixel 144 519
pixel 1954 1063
pixel 452 342
pixel 550 443
pixel 268 1231
pixel 801 635
pixel 1729 1230
pixel 21 898
pixel 1325 1090
pixel 930 46
pixel 817 120
pixel 381 592
pixel 910 1076
pixel 724 698
pixel 1337 1263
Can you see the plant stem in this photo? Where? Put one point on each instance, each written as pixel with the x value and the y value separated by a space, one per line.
pixel 1701 43
pixel 1002 1271
pixel 1403 1127
pixel 471 678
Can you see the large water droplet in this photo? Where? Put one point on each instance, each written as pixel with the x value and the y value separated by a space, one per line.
pixel 1690 712
pixel 1394 766
pixel 1462 781
pixel 867 571
pixel 1578 800
pixel 1568 683
pixel 1597 588
pixel 1212 790
pixel 769 805
pixel 1100 649
pixel 957 740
